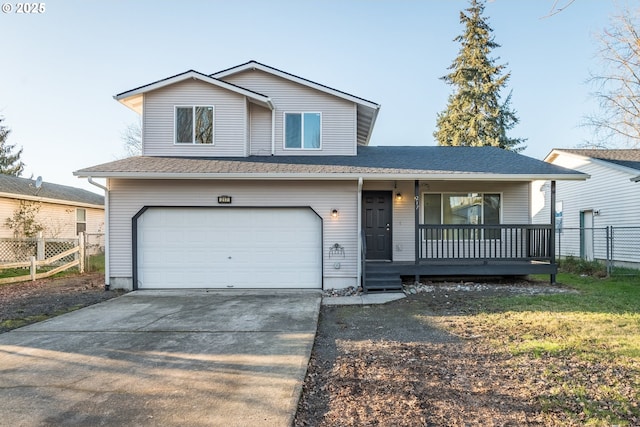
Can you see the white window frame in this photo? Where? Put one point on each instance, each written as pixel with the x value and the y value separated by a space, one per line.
pixel 284 130
pixel 193 127
pixel 459 193
pixel 81 222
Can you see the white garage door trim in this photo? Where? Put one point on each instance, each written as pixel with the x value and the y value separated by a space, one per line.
pixel 227 247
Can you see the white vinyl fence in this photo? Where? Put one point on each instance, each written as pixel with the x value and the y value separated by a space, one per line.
pixel 31 254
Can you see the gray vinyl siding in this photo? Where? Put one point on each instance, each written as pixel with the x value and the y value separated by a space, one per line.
pixel 260 135
pixel 515 206
pixel 230 120
pixel 338 115
pixel 127 197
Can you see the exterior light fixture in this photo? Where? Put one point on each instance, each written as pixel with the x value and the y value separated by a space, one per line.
pixel 334 213
pixel 398 197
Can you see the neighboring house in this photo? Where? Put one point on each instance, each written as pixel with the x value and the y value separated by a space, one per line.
pixel 256 178
pixel 610 198
pixel 61 210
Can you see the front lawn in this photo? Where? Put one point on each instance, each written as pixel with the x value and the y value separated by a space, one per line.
pixel 582 349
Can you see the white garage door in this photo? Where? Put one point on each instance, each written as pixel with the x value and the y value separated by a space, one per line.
pixel 229 248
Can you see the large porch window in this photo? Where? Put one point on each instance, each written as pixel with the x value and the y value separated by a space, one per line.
pixel 465 209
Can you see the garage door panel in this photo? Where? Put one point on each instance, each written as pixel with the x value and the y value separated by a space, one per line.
pixel 229 247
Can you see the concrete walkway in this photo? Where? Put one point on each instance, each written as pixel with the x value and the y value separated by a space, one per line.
pixel 364 299
pixel 169 358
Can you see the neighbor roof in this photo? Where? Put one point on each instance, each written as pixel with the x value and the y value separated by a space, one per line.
pixel 27 189
pixel 415 162
pixel 629 158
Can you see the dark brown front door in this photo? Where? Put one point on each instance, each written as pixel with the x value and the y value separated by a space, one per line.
pixel 376 222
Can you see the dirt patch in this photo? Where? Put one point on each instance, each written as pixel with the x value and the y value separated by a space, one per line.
pixel 390 365
pixel 29 302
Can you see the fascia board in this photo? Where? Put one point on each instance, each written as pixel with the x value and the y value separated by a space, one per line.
pixel 296 79
pixel 334 176
pixel 196 76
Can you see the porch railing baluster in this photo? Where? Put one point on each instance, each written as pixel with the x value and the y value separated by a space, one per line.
pixel 524 242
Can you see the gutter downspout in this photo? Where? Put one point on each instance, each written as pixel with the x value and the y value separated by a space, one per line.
pixel 359 215
pixel 106 231
pixel 273 132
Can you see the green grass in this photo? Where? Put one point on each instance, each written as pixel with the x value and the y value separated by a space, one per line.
pixel 95 263
pixel 580 266
pixel 588 341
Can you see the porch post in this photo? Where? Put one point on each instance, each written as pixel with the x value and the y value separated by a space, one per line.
pixel 416 197
pixel 552 243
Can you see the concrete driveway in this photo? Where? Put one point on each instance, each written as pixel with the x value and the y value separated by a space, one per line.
pixel 196 358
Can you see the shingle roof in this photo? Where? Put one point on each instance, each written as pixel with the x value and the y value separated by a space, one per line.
pixel 27 187
pixel 418 161
pixel 623 157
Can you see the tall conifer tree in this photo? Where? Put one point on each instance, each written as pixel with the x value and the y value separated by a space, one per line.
pixel 10 163
pixel 475 115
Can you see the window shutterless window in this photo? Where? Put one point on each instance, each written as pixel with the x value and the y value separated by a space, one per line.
pixel 81 220
pixel 302 131
pixel 471 208
pixel 194 124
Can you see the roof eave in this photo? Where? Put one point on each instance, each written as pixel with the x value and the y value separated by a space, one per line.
pixel 335 176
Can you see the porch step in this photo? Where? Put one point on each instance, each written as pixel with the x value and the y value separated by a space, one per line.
pixel 382 277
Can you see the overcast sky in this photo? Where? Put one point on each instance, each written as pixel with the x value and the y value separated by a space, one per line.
pixel 61 68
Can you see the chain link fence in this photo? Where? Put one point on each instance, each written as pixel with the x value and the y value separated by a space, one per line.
pixel 94 244
pixel 618 248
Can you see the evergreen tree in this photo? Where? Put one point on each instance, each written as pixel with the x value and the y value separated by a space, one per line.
pixel 475 115
pixel 10 163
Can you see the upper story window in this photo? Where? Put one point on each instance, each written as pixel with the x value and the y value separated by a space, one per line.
pixel 302 131
pixel 194 124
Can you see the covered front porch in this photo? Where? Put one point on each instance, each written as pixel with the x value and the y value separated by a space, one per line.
pixel 455 250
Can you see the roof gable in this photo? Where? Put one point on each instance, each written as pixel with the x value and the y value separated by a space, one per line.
pixel 627 160
pixel 133 98
pixel 367 111
pixel 300 80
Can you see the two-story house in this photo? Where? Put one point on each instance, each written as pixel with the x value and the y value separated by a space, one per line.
pixel 256 178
